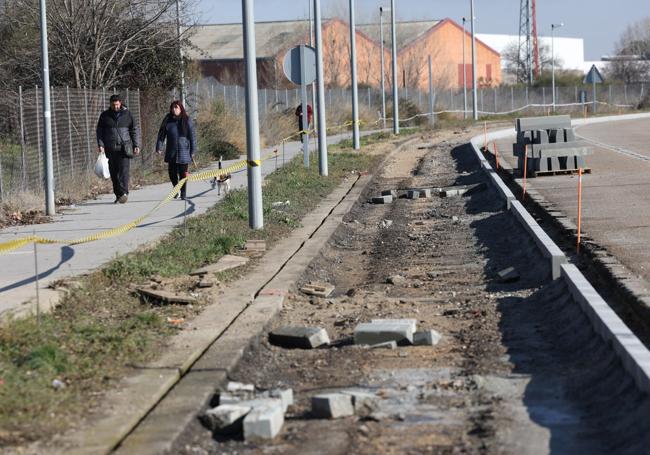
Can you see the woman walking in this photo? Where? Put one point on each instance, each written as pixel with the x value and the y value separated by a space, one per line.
pixel 178 132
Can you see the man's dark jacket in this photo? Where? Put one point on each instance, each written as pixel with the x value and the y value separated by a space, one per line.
pixel 115 128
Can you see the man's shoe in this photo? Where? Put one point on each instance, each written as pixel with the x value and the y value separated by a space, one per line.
pixel 117 199
pixel 122 199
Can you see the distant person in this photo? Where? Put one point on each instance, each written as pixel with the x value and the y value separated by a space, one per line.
pixel 310 118
pixel 119 137
pixel 178 132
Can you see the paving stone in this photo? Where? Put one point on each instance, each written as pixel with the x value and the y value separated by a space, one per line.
pixel 396 280
pixel 285 396
pixel 426 338
pixel 332 405
pixel 508 275
pixel 318 289
pixel 239 387
pixel 413 322
pixel 373 333
pixel 382 199
pixel 226 262
pixel 299 337
pixel 225 418
pixel 263 423
pixel 391 193
pixel 364 403
pixel 413 194
pixel 425 193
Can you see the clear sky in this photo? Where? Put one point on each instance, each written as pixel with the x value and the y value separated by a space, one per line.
pixel 599 22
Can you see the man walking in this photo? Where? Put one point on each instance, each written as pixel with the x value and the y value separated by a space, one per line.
pixel 119 137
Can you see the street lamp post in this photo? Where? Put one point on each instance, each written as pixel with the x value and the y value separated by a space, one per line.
pixel 180 52
pixel 394 65
pixel 383 84
pixel 356 144
pixel 553 27
pixel 50 208
pixel 255 212
pixel 464 75
pixel 474 91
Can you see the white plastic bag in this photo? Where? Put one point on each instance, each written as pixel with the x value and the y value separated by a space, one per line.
pixel 101 167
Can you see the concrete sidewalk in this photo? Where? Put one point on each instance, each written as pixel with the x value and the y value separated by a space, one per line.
pixel 18 280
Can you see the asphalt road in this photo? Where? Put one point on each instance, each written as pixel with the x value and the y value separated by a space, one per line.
pixel 616 194
pixel 18 278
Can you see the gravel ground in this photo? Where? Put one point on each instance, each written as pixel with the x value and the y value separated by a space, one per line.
pixel 518 370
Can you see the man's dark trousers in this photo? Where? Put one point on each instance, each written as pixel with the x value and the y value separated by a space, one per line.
pixel 118 165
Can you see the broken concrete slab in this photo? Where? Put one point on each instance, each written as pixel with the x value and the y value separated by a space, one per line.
pixel 391 193
pixel 263 423
pixel 375 333
pixel 508 275
pixel 426 338
pixel 225 418
pixel 295 337
pixel 164 297
pixel 317 288
pixel 332 405
pixel 226 262
pixel 364 403
pixel 284 395
pixel 460 190
pixel 412 322
pixel 386 224
pixel 382 199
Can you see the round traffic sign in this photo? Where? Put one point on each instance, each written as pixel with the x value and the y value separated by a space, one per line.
pixel 293 63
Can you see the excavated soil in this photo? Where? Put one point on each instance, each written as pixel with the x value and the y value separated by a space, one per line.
pixel 502 380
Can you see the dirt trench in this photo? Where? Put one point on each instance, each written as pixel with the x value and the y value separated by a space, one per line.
pixel 500 381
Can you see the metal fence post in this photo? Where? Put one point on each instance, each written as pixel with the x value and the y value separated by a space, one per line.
pixel 23 162
pixel 625 92
pixel 55 137
pixel 38 136
pixel 544 96
pixel 67 97
pixel 512 98
pixel 1 180
pixel 494 90
pixel 86 125
pixel 482 100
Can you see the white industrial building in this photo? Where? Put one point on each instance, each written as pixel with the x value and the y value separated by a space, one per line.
pixel 569 52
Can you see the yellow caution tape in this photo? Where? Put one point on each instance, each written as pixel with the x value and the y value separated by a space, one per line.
pixel 119 230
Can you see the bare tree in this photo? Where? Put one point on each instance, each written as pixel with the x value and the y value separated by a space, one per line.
pixel 632 60
pixel 93 43
pixel 516 67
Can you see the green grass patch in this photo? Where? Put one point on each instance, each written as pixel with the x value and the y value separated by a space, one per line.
pixel 102 327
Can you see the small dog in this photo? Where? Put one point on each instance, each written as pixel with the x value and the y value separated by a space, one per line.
pixel 223 181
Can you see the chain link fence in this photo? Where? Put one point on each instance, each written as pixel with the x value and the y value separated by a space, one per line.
pixel 75 113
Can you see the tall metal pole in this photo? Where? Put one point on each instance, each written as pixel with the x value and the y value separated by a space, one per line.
pixel 394 67
pixel 353 67
pixel 255 215
pixel 304 115
pixel 464 74
pixel 311 44
pixel 553 27
pixel 320 85
pixel 383 83
pixel 50 208
pixel 180 51
pixel 474 93
pixel 431 100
